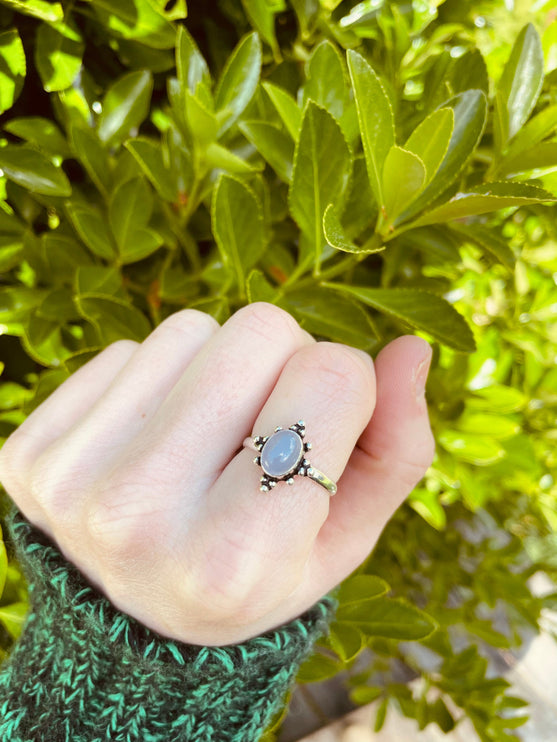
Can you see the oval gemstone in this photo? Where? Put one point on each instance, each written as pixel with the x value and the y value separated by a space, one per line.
pixel 281 453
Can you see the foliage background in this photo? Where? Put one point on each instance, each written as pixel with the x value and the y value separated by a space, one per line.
pixel 373 168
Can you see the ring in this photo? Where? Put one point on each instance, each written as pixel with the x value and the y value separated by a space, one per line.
pixel 282 458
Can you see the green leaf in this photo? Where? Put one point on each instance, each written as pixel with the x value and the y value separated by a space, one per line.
pixel 360 588
pixel 114 319
pixel 430 140
pixel 540 156
pixel 273 144
pixel 484 198
pixel 43 342
pixel 238 81
pixel 497 399
pixel 519 86
pixel 63 255
pixel 125 106
pixel 33 171
pixel 149 155
pixel 222 158
pixel 391 618
pixel 41 133
pixel 58 306
pixel 130 209
pixel 13 617
pixel 364 694
pixel 318 667
pixel 331 315
pixel 16 302
pixel 427 505
pixel 480 450
pixel 325 79
pixel 41 9
pixel 190 63
pixel 335 234
pixel 376 118
pixel 91 226
pixel 201 122
pixel 420 309
pixel 261 14
pixel 404 174
pixel 540 126
pixel 136 19
pixel 58 55
pixel 322 168
pixel 286 107
pixel 258 288
pixel 11 250
pixel 488 240
pixel 470 112
pixel 96 279
pixel 347 641
pixel 93 157
pixel 238 226
pixel 381 715
pixel 12 68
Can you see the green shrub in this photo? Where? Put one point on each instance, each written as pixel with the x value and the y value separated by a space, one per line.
pixel 373 169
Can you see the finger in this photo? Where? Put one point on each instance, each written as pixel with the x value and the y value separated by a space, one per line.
pixel 55 416
pixel 90 433
pixel 392 455
pixel 202 422
pixel 332 388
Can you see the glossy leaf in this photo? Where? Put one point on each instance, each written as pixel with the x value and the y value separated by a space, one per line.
pixel 201 122
pixel 318 667
pixel 125 106
pixel 238 227
pixel 140 20
pixel 239 80
pixel 190 64
pixel 470 112
pixel 498 398
pixel 273 144
pixel 12 68
pixel 325 79
pixel 360 588
pixel 13 616
pixel 149 155
pixel 488 240
pixel 33 171
pixel 484 198
pixel 430 140
pixel 286 107
pixel 347 641
pixel 331 315
pixel 336 236
pixel 130 210
pixel 222 158
pixel 322 167
pixel 41 9
pixel 375 115
pixel 540 156
pixel 420 309
pixel 262 15
pixel 92 227
pixel 404 175
pixel 392 618
pixel 519 86
pixel 258 288
pixel 41 133
pixel 540 126
pixel 92 156
pixel 480 450
pixel 42 341
pixel 114 319
pixel 58 55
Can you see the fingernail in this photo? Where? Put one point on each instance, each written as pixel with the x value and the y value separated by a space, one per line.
pixel 420 375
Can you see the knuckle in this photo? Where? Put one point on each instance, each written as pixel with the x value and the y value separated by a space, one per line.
pixel 268 321
pixel 123 346
pixel 11 475
pixel 188 323
pixel 225 577
pixel 339 368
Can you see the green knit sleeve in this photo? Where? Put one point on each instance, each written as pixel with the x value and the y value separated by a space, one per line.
pixel 82 671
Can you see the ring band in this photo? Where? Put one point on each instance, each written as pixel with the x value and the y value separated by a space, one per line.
pixel 282 457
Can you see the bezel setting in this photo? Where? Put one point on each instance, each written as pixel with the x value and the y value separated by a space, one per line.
pixel 301 468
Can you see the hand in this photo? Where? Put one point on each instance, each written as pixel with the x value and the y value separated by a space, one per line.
pixel 132 466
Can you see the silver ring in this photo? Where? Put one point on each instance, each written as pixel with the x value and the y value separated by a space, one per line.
pixel 282 457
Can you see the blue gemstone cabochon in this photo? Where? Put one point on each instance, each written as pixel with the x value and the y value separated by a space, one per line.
pixel 281 453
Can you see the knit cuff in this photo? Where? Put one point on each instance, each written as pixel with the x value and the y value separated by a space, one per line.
pixel 83 670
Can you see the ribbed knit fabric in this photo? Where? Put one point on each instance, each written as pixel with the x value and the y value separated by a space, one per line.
pixel 82 671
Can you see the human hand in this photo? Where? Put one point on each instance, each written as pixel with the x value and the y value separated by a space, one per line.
pixel 132 467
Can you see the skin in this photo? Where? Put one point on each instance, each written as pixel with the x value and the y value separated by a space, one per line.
pixel 134 467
